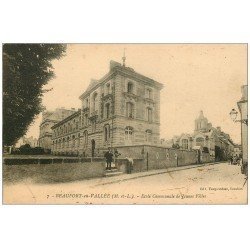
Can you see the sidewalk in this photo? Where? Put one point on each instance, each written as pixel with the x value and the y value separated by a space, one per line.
pixel 127 177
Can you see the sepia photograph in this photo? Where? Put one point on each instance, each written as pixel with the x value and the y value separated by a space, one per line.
pixel 114 124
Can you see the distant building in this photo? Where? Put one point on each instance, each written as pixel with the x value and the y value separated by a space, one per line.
pixel 120 109
pixel 207 138
pixel 50 118
pixel 242 104
pixel 33 142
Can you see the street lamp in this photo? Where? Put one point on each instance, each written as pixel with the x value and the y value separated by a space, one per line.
pixel 233 114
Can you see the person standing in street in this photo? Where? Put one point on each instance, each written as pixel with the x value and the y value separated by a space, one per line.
pixel 109 158
pixel 129 165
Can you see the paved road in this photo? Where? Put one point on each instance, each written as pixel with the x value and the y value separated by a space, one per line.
pixel 211 184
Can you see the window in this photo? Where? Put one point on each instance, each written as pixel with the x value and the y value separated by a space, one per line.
pixel 149 115
pixel 78 140
pixel 130 87
pixel 149 93
pixel 148 135
pixel 73 141
pixel 93 126
pixel 128 133
pixel 67 142
pixel 108 89
pixel 86 119
pixel 130 110
pixel 185 143
pixel 95 102
pixel 106 133
pixel 63 143
pixel 107 113
pixel 85 138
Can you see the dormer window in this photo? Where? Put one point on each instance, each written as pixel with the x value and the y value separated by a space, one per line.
pixel 149 93
pixel 130 87
pixel 95 102
pixel 108 88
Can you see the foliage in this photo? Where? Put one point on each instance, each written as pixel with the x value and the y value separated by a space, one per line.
pixel 28 150
pixel 176 145
pixel 26 69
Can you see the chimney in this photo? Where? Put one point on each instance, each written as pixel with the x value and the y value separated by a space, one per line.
pixel 219 129
pixel 113 64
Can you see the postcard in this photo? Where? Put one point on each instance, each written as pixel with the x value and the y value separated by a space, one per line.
pixel 125 124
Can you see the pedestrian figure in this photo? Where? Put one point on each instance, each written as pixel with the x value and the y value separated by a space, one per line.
pixel 130 165
pixel 239 161
pixel 231 160
pixel 109 158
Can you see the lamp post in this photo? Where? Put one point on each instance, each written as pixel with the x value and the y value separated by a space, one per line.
pixel 233 114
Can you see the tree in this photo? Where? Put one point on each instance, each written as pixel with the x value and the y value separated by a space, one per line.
pixel 26 69
pixel 176 145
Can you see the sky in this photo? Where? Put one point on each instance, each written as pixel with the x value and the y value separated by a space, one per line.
pixel 196 77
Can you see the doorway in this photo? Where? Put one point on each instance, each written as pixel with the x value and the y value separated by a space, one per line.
pixel 92 148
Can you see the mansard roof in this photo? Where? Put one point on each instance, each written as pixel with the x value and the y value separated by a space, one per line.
pixel 117 68
pixel 67 119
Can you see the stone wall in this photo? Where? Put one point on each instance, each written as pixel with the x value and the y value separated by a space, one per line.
pixel 154 157
pixel 52 173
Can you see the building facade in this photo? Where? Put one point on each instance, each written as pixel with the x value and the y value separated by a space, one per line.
pixel 207 139
pixel 50 118
pixel 120 109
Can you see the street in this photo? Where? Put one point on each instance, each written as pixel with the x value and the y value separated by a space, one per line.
pixel 210 184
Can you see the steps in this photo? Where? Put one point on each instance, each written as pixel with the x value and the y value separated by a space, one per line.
pixel 113 172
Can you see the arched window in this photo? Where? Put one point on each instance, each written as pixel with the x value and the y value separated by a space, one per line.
pixel 200 141
pixel 59 144
pixel 130 110
pixel 107 109
pixel 130 87
pixel 106 133
pixel 184 143
pixel 148 135
pixel 128 133
pixel 63 143
pixel 149 115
